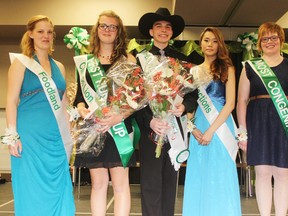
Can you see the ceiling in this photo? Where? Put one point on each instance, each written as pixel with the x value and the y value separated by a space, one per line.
pixel 230 13
pixel 196 13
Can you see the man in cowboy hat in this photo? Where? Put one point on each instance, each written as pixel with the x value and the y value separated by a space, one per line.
pixel 158 176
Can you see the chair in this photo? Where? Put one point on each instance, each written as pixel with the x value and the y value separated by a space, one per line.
pixel 74 175
pixel 245 173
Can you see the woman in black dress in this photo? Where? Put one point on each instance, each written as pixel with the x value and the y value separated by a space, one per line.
pixel 261 111
pixel 108 45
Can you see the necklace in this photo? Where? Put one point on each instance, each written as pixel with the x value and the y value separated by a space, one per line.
pixel 107 57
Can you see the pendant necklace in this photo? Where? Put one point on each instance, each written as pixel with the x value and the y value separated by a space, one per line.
pixel 107 57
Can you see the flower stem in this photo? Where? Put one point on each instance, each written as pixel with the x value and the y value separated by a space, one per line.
pixel 159 146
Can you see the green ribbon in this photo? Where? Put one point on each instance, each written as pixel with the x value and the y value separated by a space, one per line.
pixel 123 142
pixel 134 45
pixel 77 39
pixel 274 89
pixel 119 132
pixel 190 47
pixel 137 132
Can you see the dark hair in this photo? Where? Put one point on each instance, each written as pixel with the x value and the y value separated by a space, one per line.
pixel 120 44
pixel 219 67
pixel 27 43
pixel 270 27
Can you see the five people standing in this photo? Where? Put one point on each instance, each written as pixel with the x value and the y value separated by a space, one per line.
pixel 260 111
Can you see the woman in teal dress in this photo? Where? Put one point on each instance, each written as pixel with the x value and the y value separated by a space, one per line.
pixel 40 172
pixel 211 184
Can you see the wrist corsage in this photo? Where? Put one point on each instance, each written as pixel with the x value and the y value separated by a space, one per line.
pixel 74 114
pixel 242 134
pixel 11 136
pixel 190 125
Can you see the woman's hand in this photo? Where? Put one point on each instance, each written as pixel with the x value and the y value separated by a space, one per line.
pixel 197 134
pixel 178 110
pixel 159 126
pixel 16 150
pixel 83 111
pixel 110 119
pixel 206 138
pixel 242 145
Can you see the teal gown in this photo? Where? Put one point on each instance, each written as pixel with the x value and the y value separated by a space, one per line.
pixel 40 177
pixel 211 185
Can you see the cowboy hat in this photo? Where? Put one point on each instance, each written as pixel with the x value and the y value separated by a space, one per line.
pixel 162 14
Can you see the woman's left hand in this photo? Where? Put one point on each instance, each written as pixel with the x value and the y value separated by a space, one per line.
pixel 206 138
pixel 178 110
pixel 109 120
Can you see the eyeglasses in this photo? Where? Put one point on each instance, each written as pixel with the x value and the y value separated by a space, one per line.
pixel 273 38
pixel 111 28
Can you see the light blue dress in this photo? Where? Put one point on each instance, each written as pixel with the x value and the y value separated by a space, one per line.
pixel 40 177
pixel 211 185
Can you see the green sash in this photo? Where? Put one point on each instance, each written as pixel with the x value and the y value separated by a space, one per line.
pixel 119 132
pixel 272 84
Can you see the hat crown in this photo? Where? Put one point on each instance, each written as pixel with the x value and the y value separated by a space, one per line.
pixel 163 12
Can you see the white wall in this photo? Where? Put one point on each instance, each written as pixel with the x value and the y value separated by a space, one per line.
pixel 4 153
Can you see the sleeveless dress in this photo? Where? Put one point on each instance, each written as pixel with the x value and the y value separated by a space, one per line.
pixel 211 184
pixel 267 142
pixel 40 177
pixel 109 156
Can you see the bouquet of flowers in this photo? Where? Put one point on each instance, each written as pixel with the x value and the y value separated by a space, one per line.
pixel 166 80
pixel 123 90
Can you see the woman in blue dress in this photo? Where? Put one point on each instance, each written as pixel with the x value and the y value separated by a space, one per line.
pixel 211 184
pixel 40 172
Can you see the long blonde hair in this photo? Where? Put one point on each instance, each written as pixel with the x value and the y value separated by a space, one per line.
pixel 120 44
pixel 27 43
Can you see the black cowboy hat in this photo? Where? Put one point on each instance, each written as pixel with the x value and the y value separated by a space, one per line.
pixel 162 14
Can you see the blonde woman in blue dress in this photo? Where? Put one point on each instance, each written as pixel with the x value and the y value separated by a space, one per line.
pixel 40 171
pixel 211 184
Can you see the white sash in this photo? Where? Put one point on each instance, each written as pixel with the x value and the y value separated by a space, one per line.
pixel 223 132
pixel 178 152
pixel 51 93
pixel 179 149
pixel 89 94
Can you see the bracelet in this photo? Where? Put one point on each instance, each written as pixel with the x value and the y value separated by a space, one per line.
pixel 190 125
pixel 73 112
pixel 242 134
pixel 11 136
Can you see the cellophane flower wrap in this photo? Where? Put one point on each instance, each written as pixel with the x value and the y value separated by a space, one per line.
pixel 124 83
pixel 166 80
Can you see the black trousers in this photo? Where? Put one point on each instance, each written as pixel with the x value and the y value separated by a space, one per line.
pixel 158 179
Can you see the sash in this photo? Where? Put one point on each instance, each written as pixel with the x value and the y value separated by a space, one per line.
pixel 178 152
pixel 52 95
pixel 118 132
pixel 273 86
pixel 223 132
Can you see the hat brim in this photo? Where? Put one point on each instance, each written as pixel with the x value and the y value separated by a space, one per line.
pixel 147 20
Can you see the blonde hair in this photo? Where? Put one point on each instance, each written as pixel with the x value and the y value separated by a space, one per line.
pixel 219 67
pixel 27 43
pixel 120 44
pixel 270 27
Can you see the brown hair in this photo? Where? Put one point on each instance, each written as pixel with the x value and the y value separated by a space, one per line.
pixel 120 44
pixel 270 27
pixel 219 67
pixel 27 43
